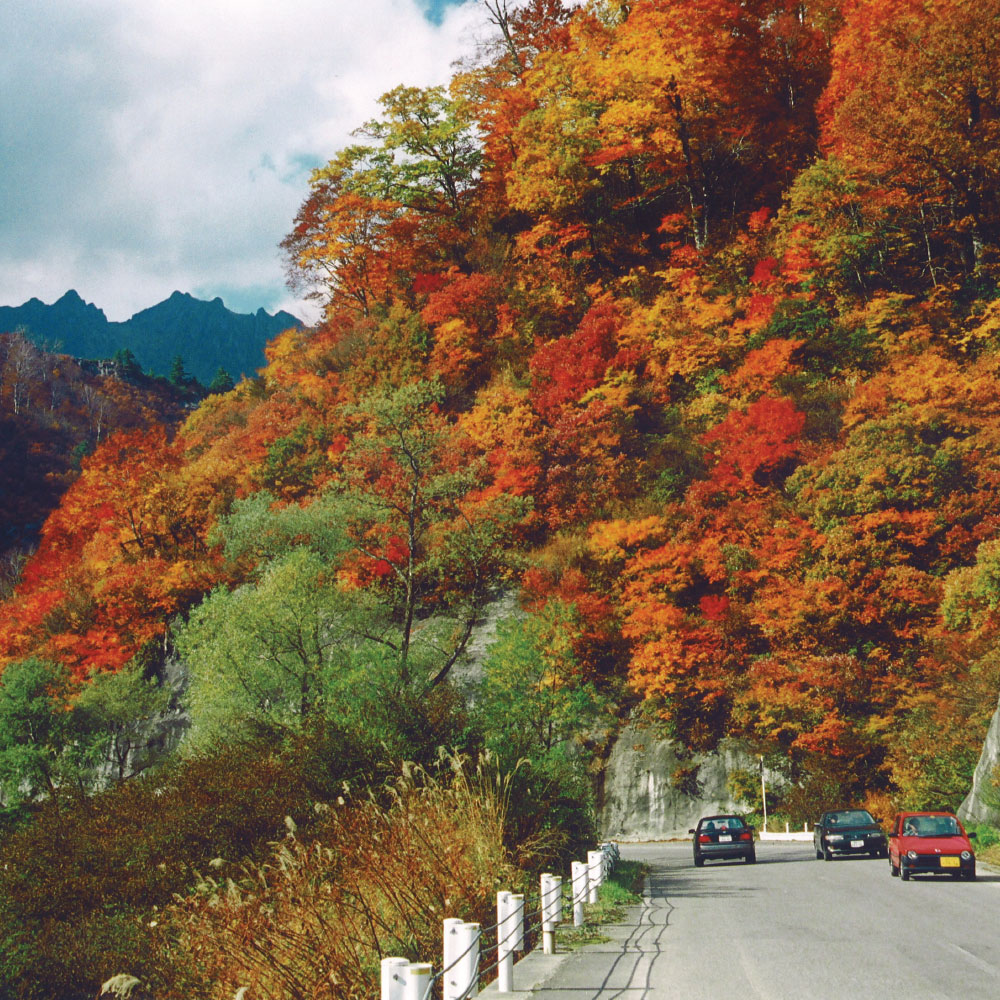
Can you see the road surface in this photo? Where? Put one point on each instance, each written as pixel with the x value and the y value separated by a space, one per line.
pixel 792 927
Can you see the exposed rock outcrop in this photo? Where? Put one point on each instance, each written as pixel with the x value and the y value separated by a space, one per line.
pixel 124 987
pixel 982 804
pixel 651 792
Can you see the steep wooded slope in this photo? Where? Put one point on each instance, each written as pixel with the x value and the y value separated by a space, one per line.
pixel 682 315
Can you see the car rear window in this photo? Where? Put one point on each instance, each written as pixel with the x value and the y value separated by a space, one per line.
pixel 851 817
pixel 721 823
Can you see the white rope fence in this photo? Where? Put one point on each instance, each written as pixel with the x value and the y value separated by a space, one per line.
pixel 461 943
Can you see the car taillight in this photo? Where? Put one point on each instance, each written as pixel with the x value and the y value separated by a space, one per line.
pixel 704 839
pixel 746 835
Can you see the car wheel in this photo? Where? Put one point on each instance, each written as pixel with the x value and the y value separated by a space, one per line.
pixel 893 869
pixel 819 854
pixel 698 861
pixel 751 859
pixel 827 854
pixel 971 876
pixel 904 872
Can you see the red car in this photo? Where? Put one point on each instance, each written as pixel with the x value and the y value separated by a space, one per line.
pixel 930 843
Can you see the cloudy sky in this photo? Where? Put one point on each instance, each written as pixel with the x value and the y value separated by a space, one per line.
pixel 148 146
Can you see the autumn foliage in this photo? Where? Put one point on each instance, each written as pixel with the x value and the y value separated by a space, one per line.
pixel 696 305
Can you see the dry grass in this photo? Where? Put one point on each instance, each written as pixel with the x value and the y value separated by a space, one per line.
pixel 375 880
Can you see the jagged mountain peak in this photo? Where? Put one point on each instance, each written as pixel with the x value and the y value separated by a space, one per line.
pixel 205 334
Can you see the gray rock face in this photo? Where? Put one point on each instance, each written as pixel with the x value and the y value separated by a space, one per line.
pixel 641 800
pixel 976 806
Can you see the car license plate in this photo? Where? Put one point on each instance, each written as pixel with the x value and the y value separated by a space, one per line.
pixel 725 838
pixel 951 863
pixel 857 843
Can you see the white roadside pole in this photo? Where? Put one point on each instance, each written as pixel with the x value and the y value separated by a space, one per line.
pixel 595 865
pixel 580 889
pixel 551 911
pixel 461 975
pixel 392 973
pixel 416 981
pixel 510 937
pixel 763 793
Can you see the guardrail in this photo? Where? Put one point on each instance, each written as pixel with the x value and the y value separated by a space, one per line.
pixel 789 834
pixel 462 950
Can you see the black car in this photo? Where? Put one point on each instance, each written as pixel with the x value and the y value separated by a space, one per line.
pixel 722 837
pixel 848 831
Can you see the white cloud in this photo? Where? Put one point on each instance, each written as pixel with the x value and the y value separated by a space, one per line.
pixel 165 144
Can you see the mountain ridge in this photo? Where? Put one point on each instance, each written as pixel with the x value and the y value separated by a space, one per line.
pixel 204 333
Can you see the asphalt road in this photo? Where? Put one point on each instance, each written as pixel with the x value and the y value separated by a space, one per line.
pixel 792 927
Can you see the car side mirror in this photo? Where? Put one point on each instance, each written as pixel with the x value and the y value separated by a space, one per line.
pixel 971 836
pixel 692 831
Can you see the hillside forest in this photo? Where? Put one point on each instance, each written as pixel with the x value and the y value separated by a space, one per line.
pixel 673 329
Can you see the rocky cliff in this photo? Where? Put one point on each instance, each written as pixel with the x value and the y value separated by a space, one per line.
pixel 652 793
pixel 982 804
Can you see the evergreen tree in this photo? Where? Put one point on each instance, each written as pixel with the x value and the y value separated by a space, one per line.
pixel 178 376
pixel 222 382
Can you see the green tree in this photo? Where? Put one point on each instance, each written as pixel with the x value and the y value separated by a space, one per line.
pixel 115 711
pixel 534 699
pixel 221 382
pixel 39 749
pixel 428 156
pixel 178 376
pixel 422 533
pixel 127 364
pixel 271 654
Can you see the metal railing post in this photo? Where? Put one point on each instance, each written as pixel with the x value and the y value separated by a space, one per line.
pixel 449 957
pixel 392 977
pixel 551 911
pixel 506 934
pixel 595 874
pixel 580 890
pixel 416 981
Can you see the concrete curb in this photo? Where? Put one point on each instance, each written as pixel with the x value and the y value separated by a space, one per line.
pixel 532 971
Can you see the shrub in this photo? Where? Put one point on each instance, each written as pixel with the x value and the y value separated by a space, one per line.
pixel 316 917
pixel 80 881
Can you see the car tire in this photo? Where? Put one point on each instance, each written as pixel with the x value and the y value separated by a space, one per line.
pixel 827 854
pixel 904 872
pixel 893 869
pixel 970 876
pixel 819 854
pixel 750 859
pixel 698 861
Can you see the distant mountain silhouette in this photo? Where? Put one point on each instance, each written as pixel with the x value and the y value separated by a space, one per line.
pixel 206 335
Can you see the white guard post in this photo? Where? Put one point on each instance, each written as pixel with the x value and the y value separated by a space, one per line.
pixel 580 888
pixel 417 981
pixel 510 937
pixel 467 964
pixel 460 971
pixel 551 911
pixel 595 864
pixel 392 972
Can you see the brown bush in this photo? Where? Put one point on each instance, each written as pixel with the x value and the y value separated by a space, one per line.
pixel 370 881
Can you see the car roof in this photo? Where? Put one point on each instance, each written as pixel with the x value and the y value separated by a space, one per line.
pixel 928 812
